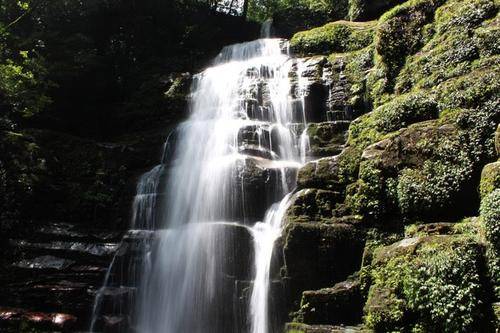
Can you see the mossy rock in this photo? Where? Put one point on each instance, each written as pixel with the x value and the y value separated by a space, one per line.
pixel 490 178
pixel 326 139
pixel 429 284
pixel 400 33
pixel 490 216
pixel 341 36
pixel 362 10
pixel 312 205
pixel 469 226
pixel 304 328
pixel 322 173
pixel 352 67
pixel 453 47
pixel 425 170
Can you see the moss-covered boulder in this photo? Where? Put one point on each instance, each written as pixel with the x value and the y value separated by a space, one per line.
pixel 400 33
pixel 490 178
pixel 430 169
pixel 326 139
pixel 312 205
pixel 454 45
pixel 341 36
pixel 320 173
pixel 490 215
pixel 429 284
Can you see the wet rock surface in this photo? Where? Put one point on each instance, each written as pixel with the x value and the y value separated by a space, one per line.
pixel 51 282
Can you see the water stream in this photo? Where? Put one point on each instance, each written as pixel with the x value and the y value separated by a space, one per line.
pixel 217 208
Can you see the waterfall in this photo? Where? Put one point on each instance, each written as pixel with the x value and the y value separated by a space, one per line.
pixel 217 206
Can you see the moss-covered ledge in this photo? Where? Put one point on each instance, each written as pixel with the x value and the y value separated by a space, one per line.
pixel 428 284
pixel 335 37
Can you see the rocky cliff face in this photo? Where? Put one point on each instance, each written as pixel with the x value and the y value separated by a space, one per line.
pixel 420 85
pixel 394 225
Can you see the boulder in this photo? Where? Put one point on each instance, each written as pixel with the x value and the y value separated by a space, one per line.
pixel 490 178
pixel 326 139
pixel 321 173
pixel 312 205
pixel 435 283
pixel 340 304
pixel 335 37
pixel 319 255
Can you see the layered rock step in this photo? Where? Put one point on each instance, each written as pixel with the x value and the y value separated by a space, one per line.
pixel 58 268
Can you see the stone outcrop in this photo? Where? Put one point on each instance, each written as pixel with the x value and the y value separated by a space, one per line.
pixel 52 280
pixel 317 255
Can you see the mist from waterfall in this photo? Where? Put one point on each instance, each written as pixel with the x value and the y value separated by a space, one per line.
pixel 217 208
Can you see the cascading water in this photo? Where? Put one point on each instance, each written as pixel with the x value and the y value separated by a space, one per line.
pixel 235 165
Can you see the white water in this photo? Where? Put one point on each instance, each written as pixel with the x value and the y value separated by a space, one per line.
pixel 235 165
pixel 265 234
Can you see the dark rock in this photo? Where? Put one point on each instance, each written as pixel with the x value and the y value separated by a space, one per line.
pixel 254 187
pixel 319 255
pixel 322 173
pixel 363 10
pixel 312 205
pixel 44 262
pixel 91 249
pixel 326 139
pixel 341 304
pixel 16 318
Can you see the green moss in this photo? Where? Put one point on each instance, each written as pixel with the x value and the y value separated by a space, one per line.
pixel 312 205
pixel 400 33
pixel 490 215
pixel 431 284
pixel 365 197
pixel 490 179
pixel 325 139
pixel 341 36
pixel 452 48
pixel 405 110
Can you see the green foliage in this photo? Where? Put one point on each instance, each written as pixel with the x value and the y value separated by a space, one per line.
pixel 365 196
pixel 400 33
pixel 452 48
pixel 431 284
pixel 405 110
pixel 490 179
pixel 490 215
pixel 23 86
pixel 334 37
